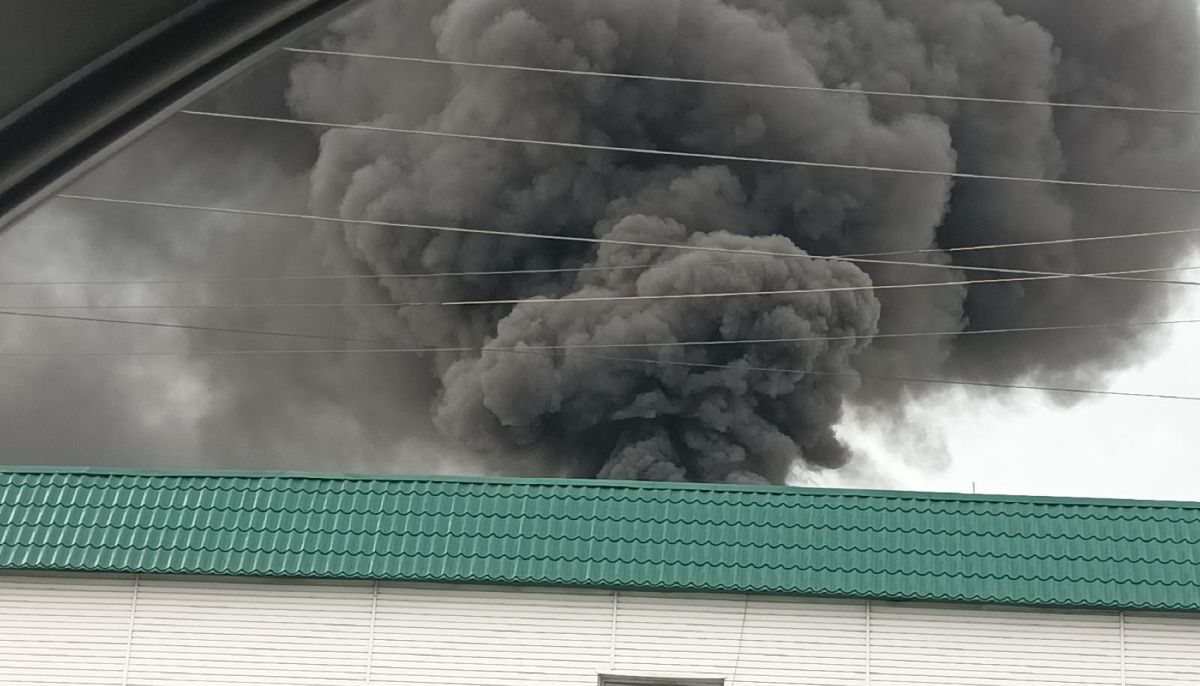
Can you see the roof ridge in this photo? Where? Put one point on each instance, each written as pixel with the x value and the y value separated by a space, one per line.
pixel 611 484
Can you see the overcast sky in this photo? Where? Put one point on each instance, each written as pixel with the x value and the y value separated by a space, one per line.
pixel 1013 442
pixel 1020 442
pixel 358 413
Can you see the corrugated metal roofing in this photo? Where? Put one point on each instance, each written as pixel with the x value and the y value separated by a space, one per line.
pixel 886 545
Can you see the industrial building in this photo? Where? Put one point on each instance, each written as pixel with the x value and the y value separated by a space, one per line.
pixel 140 578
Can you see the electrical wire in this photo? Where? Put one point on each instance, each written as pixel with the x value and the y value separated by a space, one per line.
pixel 187 327
pixel 608 241
pixel 1030 244
pixel 558 270
pixel 550 350
pixel 739 84
pixel 544 301
pixel 691 155
pixel 639 360
pixel 544 350
pixel 581 346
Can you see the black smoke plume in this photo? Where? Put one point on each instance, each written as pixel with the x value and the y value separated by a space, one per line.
pixel 727 421
pixel 516 407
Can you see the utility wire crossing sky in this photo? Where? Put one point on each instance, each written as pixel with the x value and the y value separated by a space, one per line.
pixel 665 196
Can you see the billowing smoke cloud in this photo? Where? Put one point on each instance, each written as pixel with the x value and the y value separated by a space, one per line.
pixel 320 412
pixel 725 419
pixel 523 403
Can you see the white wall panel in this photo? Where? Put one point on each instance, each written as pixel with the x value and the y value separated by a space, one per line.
pixel 961 646
pixel 165 631
pixel 679 635
pixel 225 632
pixel 1162 650
pixel 479 636
pixel 64 631
pixel 788 642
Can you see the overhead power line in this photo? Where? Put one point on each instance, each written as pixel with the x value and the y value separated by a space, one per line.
pixel 741 84
pixel 570 299
pixel 566 270
pixel 1031 244
pixel 638 360
pixel 579 346
pixel 692 155
pixel 548 350
pixel 1119 276
pixel 187 327
pixel 903 379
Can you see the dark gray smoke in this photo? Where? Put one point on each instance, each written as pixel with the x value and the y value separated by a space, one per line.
pixel 582 412
pixel 340 412
pixel 727 421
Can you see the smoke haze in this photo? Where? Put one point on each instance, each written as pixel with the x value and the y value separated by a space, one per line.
pixel 585 413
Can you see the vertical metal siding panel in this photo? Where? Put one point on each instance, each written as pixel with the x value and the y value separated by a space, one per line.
pixel 59 630
pixel 867 640
pixel 677 635
pixel 1162 650
pixel 472 636
pixel 233 632
pixel 920 645
pixel 75 630
pixel 817 643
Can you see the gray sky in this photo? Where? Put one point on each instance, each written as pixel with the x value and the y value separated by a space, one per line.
pixel 1020 442
pixel 373 413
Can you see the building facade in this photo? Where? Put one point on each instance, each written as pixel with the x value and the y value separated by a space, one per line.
pixel 137 578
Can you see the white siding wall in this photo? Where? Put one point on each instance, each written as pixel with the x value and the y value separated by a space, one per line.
pixel 788 642
pixel 204 632
pixel 171 630
pixel 932 646
pixel 1162 650
pixel 64 631
pixel 477 637
pixel 677 635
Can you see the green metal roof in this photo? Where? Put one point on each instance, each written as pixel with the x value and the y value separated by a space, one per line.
pixel 700 538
